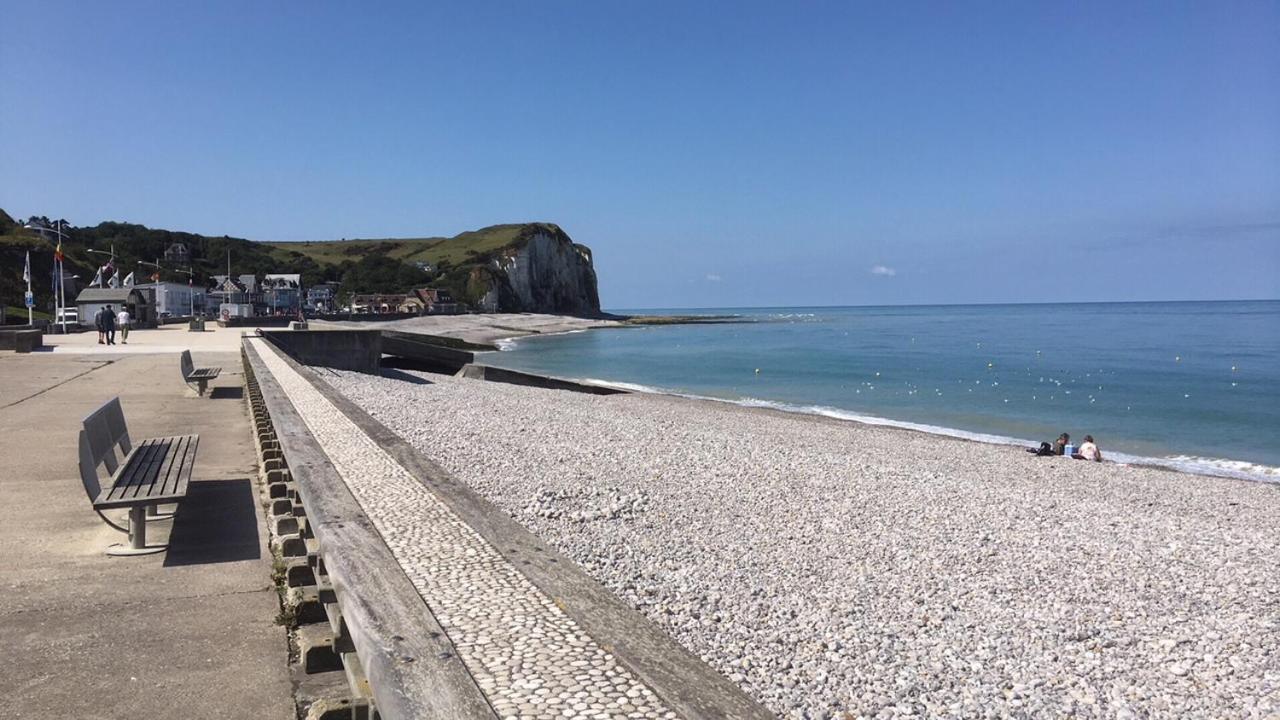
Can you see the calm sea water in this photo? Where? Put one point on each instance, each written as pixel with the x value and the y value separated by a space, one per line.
pixel 1193 385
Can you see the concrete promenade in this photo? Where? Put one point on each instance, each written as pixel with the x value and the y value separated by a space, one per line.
pixel 185 633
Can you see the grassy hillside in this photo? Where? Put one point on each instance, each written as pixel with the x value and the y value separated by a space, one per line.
pixel 456 250
pixel 460 263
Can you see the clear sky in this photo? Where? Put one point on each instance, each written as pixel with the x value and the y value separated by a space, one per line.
pixel 711 154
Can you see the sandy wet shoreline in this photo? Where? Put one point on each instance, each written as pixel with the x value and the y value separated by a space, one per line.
pixel 830 566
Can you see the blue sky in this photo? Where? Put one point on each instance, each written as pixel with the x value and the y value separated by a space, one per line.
pixel 711 154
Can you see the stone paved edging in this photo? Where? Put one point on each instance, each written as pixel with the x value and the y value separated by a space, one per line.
pixel 529 658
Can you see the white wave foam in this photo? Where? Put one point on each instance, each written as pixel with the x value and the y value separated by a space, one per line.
pixel 1220 467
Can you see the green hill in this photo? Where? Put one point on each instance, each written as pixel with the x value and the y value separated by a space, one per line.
pixel 462 264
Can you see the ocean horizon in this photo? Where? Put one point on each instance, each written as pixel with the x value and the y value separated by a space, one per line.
pixel 1189 385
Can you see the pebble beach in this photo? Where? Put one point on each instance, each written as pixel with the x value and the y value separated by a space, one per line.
pixel 835 569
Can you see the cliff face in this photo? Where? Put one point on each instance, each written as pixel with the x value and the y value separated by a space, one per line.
pixel 543 271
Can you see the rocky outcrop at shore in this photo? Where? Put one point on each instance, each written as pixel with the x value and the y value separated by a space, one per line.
pixel 543 271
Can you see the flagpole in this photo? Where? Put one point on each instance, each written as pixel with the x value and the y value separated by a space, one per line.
pixel 29 299
pixel 61 296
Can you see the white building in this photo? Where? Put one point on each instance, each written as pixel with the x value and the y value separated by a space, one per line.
pixel 175 299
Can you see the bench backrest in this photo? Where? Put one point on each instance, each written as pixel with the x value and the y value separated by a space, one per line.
pixel 187 366
pixel 104 429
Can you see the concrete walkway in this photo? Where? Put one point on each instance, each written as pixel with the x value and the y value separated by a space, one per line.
pixel 186 633
pixel 164 339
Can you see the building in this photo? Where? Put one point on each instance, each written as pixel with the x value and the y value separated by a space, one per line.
pixel 177 254
pixel 173 299
pixel 437 301
pixel 235 296
pixel 282 294
pixel 379 304
pixel 93 299
pixel 322 297
pixel 237 289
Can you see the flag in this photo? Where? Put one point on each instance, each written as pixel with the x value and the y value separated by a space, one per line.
pixel 26 271
pixel 97 279
pixel 128 280
pixel 57 252
pixel 114 282
pixel 155 277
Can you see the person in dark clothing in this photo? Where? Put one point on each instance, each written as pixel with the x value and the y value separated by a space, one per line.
pixel 97 323
pixel 1060 445
pixel 109 324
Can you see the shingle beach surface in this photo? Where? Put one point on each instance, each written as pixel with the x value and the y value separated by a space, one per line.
pixel 828 566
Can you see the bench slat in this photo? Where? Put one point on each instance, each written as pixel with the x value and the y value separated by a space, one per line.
pixel 183 477
pixel 159 470
pixel 207 373
pixel 155 484
pixel 137 467
pixel 171 478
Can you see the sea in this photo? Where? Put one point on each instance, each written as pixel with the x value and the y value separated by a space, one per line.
pixel 1193 386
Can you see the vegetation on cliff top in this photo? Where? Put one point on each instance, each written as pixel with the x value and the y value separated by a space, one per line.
pixel 459 264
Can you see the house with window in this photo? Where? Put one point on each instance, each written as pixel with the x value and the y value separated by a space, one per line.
pixel 282 293
pixel 175 299
pixel 382 303
pixel 322 297
pixel 133 299
pixel 437 301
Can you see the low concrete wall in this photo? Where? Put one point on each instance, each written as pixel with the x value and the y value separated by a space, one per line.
pixel 273 321
pixel 22 338
pixel 513 377
pixel 359 350
pixel 364 317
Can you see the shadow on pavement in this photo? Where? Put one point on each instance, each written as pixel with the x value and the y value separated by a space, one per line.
pixel 226 393
pixel 217 523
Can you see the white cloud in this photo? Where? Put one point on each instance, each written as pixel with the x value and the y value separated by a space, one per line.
pixel 713 277
pixel 882 270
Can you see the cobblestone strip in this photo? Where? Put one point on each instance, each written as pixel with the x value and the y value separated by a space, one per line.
pixel 530 659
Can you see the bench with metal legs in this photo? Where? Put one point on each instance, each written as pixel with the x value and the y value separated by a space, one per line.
pixel 156 472
pixel 197 378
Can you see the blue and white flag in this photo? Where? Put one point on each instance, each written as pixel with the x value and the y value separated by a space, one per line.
pixel 26 271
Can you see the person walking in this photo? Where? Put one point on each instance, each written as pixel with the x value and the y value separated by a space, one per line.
pixel 109 324
pixel 122 320
pixel 102 328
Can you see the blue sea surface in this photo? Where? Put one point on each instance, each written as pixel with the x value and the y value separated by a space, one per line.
pixel 1191 385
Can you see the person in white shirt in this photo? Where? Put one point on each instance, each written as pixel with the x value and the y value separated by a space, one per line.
pixel 122 320
pixel 1089 450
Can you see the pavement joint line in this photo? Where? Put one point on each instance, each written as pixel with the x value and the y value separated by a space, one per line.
pixel 152 601
pixel 529 658
pixel 59 384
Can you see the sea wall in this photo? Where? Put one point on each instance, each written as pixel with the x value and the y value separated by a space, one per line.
pixel 514 377
pixel 358 350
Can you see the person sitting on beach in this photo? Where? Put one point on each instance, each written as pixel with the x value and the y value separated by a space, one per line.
pixel 1088 450
pixel 1059 447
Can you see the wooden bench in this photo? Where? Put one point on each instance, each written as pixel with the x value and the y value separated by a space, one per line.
pixel 157 471
pixel 199 376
